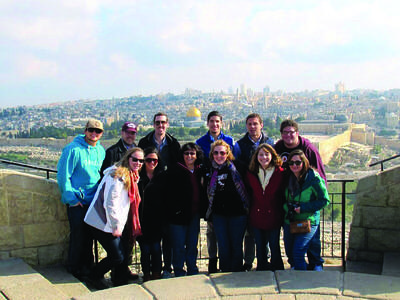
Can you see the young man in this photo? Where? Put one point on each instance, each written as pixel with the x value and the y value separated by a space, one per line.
pixel 247 146
pixel 291 140
pixel 169 148
pixel 113 155
pixel 214 124
pixel 78 175
pixel 166 144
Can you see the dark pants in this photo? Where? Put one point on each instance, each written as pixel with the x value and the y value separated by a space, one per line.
pixel 80 252
pixel 150 257
pixel 115 254
pixel 263 238
pixel 230 232
pixel 184 246
pixel 166 248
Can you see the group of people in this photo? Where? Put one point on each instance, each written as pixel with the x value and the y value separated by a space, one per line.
pixel 157 192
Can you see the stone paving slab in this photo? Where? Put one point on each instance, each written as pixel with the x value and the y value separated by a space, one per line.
pixel 370 286
pixel 249 283
pixel 309 282
pixel 19 281
pixel 126 292
pixel 63 280
pixel 188 287
pixel 315 297
pixel 391 264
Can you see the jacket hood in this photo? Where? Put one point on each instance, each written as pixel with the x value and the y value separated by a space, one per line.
pixel 80 139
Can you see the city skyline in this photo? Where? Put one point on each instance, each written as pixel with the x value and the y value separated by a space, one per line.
pixel 71 50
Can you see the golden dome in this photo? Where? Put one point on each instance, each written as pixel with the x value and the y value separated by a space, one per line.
pixel 193 112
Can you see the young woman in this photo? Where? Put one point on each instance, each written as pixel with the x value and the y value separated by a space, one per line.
pixel 108 214
pixel 151 216
pixel 228 205
pixel 186 201
pixel 265 180
pixel 306 195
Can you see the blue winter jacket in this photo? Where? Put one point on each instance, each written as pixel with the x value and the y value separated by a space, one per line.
pixel 78 171
pixel 206 140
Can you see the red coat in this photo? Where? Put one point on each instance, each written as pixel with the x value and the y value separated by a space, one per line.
pixel 266 207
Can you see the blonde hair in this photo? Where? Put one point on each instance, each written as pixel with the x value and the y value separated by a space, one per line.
pixel 123 171
pixel 229 156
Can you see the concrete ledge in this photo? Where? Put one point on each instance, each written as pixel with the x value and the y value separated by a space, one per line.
pixel 249 283
pixel 371 286
pixel 306 282
pixel 190 287
pixel 20 281
pixel 126 292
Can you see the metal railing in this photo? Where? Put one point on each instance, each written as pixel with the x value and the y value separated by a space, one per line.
pixel 384 160
pixel 331 245
pixel 47 170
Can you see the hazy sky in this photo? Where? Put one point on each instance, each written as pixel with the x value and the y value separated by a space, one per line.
pixel 61 50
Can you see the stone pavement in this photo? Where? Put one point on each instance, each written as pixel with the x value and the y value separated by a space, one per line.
pixel 19 281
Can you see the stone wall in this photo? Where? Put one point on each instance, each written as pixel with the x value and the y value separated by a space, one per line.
pixel 328 147
pixel 33 221
pixel 376 217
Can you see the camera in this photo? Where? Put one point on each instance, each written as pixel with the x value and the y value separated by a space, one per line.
pixel 291 208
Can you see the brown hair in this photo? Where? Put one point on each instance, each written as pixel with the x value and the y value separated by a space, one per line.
pixel 255 165
pixel 287 123
pixel 254 115
pixel 229 156
pixel 306 163
pixel 159 114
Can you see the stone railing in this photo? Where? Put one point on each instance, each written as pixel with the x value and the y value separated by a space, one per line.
pixel 33 221
pixel 376 217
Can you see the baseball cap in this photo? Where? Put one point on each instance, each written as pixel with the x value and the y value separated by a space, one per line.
pixel 129 126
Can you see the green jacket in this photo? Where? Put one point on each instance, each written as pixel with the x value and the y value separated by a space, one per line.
pixel 312 196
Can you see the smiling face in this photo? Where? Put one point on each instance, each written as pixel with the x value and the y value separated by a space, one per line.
pixel 136 161
pixel 264 158
pixel 160 125
pixel 254 127
pixel 92 137
pixel 214 125
pixel 151 161
pixel 189 157
pixel 296 165
pixel 290 136
pixel 220 154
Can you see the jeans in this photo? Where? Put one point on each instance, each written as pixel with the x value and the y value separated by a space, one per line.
pixel 230 232
pixel 296 246
pixel 150 257
pixel 249 246
pixel 115 254
pixel 166 248
pixel 314 250
pixel 184 247
pixel 211 240
pixel 80 251
pixel 262 239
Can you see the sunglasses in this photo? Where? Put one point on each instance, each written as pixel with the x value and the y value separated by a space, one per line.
pixel 97 130
pixel 160 122
pixel 189 153
pixel 295 162
pixel 222 153
pixel 134 159
pixel 151 160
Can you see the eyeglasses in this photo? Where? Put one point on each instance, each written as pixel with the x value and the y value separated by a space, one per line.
pixel 134 159
pixel 222 153
pixel 160 122
pixel 295 162
pixel 97 130
pixel 189 153
pixel 151 160
pixel 285 132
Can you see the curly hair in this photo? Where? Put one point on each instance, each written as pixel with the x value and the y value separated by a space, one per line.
pixel 229 153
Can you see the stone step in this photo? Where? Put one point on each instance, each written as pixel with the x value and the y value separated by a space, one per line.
pixel 391 264
pixel 19 281
pixel 63 280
